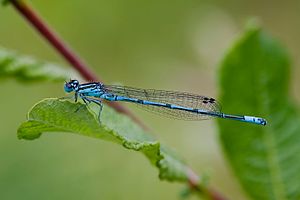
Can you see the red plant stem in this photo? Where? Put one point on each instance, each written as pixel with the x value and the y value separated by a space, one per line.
pixel 215 195
pixel 194 180
pixel 66 52
pixel 87 74
pixel 54 40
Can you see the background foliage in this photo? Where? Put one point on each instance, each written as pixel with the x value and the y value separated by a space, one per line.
pixel 265 159
pixel 151 44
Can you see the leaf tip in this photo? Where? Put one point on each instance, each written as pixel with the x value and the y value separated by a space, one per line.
pixel 25 131
pixel 253 24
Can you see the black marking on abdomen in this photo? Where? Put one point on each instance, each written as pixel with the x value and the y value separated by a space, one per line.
pixel 168 105
pixel 140 101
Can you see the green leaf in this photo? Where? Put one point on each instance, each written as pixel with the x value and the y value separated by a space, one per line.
pixel 54 115
pixel 254 80
pixel 27 69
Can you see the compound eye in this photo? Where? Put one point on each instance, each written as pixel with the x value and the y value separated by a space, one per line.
pixel 68 87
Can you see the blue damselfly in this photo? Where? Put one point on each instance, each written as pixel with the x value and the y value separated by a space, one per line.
pixel 178 105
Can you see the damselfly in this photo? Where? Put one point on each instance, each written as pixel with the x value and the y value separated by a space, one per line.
pixel 178 105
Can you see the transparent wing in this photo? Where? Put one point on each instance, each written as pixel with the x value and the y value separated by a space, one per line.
pixel 184 99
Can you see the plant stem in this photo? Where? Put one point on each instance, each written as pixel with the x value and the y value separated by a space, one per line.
pixel 54 40
pixel 194 181
pixel 87 74
pixel 65 51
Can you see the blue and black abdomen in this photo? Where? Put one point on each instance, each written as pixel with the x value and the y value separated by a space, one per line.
pixel 178 105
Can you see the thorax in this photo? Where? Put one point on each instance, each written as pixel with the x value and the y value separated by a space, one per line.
pixel 90 89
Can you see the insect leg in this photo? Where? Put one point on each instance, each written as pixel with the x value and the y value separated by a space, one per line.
pixel 96 101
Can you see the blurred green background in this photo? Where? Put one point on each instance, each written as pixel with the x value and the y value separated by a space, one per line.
pixel 174 45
